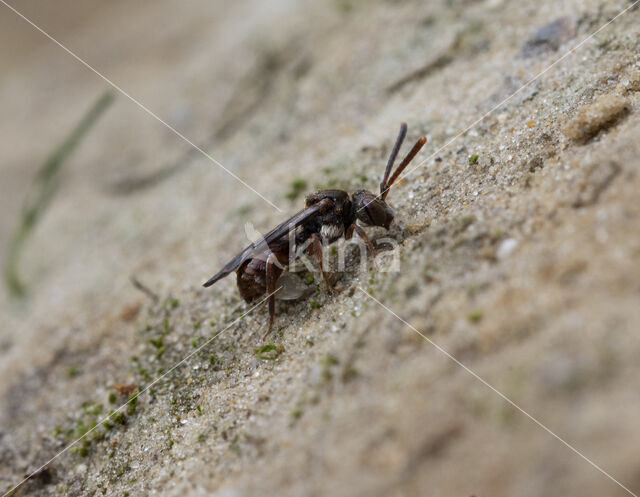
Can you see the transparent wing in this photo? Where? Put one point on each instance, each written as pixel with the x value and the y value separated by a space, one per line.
pixel 262 243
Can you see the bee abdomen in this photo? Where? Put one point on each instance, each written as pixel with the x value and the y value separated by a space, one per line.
pixel 251 279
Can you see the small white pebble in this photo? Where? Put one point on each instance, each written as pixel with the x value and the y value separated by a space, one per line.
pixel 506 247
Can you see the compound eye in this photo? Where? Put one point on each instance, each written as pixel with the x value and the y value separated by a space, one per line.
pixel 372 211
pixel 380 213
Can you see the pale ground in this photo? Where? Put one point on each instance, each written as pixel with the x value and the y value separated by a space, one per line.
pixel 523 265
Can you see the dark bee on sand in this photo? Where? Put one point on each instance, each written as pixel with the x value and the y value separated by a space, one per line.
pixel 328 215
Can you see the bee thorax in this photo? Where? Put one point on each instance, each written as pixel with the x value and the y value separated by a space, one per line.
pixel 331 232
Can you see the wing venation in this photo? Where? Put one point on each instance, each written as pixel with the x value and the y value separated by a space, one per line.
pixel 262 243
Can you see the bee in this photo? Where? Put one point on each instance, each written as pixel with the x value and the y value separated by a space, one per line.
pixel 327 216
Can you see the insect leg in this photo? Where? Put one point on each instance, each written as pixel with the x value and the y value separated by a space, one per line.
pixel 349 233
pixel 272 278
pixel 363 235
pixel 315 249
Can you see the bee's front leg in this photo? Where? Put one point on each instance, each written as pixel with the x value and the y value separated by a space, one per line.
pixel 362 234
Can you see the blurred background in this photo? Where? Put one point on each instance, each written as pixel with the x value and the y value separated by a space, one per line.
pixel 518 240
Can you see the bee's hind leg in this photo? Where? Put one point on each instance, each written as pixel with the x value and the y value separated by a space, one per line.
pixel 273 273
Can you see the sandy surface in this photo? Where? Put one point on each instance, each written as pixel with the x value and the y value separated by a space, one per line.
pixel 518 245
